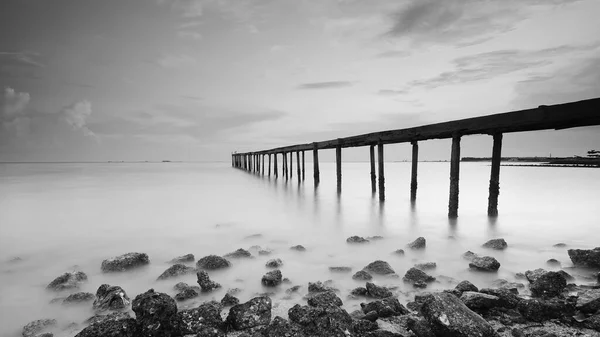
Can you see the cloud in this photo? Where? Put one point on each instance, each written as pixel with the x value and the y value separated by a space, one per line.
pixel 186 34
pixel 193 98
pixel 390 92
pixel 19 64
pixel 13 105
pixel 187 8
pixel 177 61
pixel 325 85
pixel 76 116
pixel 394 54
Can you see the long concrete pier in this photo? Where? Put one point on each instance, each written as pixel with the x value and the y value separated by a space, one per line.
pixel 544 117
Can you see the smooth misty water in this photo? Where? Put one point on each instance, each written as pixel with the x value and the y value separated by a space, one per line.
pixel 60 217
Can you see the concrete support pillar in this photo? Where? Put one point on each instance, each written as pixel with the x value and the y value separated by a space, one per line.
pixel 316 173
pixel 291 168
pixel 495 176
pixel 413 176
pixel 285 169
pixel 298 170
pixel 269 164
pixel 373 174
pixel 381 172
pixel 302 165
pixel 275 165
pixel 454 175
pixel 338 167
pixel 263 165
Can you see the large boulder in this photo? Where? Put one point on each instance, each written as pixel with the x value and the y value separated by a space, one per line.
pixel 539 309
pixel 176 270
pixel 37 327
pixel 478 301
pixel 321 321
pixel 187 293
pixel 362 275
pixel 253 313
pixel 183 259
pixel 419 243
pixel 274 263
pixel 239 254
pixel 78 298
pixel 125 262
pixel 448 316
pixel 324 298
pixel 549 284
pixel 533 275
pixel 272 278
pixel 205 317
pixel 498 244
pixel 229 300
pixel 357 239
pixel 379 267
pixel 110 298
pixel 417 278
pixel 376 291
pixel 317 287
pixel 205 282
pixel 280 327
pixel 67 281
pixel 585 257
pixel 589 300
pixel 117 325
pixel 484 263
pixel 387 307
pixel 213 262
pixel 466 286
pixel 506 298
pixel 426 265
pixel 155 314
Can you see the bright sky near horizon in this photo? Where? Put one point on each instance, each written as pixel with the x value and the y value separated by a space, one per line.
pixel 198 79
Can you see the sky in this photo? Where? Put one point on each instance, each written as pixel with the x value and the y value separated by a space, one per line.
pixel 195 80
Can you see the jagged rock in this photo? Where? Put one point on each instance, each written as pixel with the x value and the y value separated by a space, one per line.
pixel 298 248
pixel 504 284
pixel 420 327
pixel 155 313
pixel 549 284
pixel 321 321
pixel 66 281
pixel 239 254
pixel 125 262
pixel 417 277
pixel 362 326
pixel 205 282
pixel 376 291
pixel 272 278
pixel 498 244
pixel 386 307
pixel 176 270
pixel 539 310
pixel 213 262
pixel 357 239
pixel 419 243
pixel 229 300
pixel 593 322
pixel 484 263
pixel 274 263
pixel 359 291
pixel 37 327
pixel 324 298
pixel 115 315
pixel 399 252
pixel 533 275
pixel 253 313
pixel 585 257
pixel 280 327
pixel 362 275
pixel 113 325
pixel 80 297
pixel 553 262
pixel 466 286
pixel 204 318
pixel 448 316
pixel 476 301
pixel 507 298
pixel 469 255
pixel 183 259
pixel 589 300
pixel 426 265
pixel 379 267
pixel 110 298
pixel 317 287
pixel 340 269
pixel 187 293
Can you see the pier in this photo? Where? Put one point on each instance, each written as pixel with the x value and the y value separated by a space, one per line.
pixel 544 117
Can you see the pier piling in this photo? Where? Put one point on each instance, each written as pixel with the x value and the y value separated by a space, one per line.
pixel 275 165
pixel 291 168
pixel 285 164
pixel 316 173
pixel 495 176
pixel 338 166
pixel 413 179
pixel 381 172
pixel 454 175
pixel 298 171
pixel 269 165
pixel 373 175
pixel 302 165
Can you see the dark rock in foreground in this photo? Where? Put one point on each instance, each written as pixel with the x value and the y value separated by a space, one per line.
pixel 110 298
pixel 549 284
pixel 66 281
pixel 585 257
pixel 205 282
pixel 125 262
pixel 239 254
pixel 466 286
pixel 498 244
pixel 298 248
pixel 212 262
pixel 80 297
pixel 229 300
pixel 419 243
pixel 114 325
pixel 589 301
pixel 533 275
pixel 357 239
pixel 274 263
pixel 362 275
pixel 485 263
pixel 539 310
pixel 417 278
pixel 155 313
pixel 386 307
pixel 376 291
pixel 379 267
pixel 176 270
pixel 37 327
pixel 324 298
pixel 186 294
pixel 253 313
pixel 183 259
pixel 272 278
pixel 476 300
pixel 321 321
pixel 317 287
pixel 206 318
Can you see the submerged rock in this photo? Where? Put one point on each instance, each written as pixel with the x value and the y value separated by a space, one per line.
pixel 205 282
pixel 187 293
pixel 559 245
pixel 125 262
pixel 426 265
pixel 379 267
pixel 183 259
pixel 469 255
pixel 417 277
pixel 272 278
pixel 324 298
pixel 340 269
pixel 77 298
pixel 399 252
pixel 317 287
pixel 498 244
pixel 549 284
pixel 298 248
pixel 585 257
pixel 176 270
pixel 154 314
pixel 485 263
pixel 357 239
pixel 239 254
pixel 419 243
pixel 553 262
pixel 274 263
pixel 359 291
pixel 213 262
pixel 264 252
pixel 376 291
pixel 37 327
pixel 375 237
pixel 113 325
pixel 206 317
pixel 253 313
pixel 362 275
pixel 110 298
pixel 71 280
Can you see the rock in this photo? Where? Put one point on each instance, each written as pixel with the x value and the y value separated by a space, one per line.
pixel 485 263
pixel 362 326
pixel 272 278
pixel 466 286
pixel 176 270
pixel 298 248
pixel 321 321
pixel 77 298
pixel 585 257
pixel 362 275
pixel 379 267
pixel 340 269
pixel 213 262
pixel 239 254
pixel 203 319
pixel 187 293
pixel 419 243
pixel 205 282
pixel 66 281
pixel 533 275
pixel 498 244
pixel 506 298
pixel 559 245
pixel 280 327
pixel 117 315
pixel 399 252
pixel 37 327
pixel 549 284
pixel 110 298
pixel 553 263
pixel 293 289
pixel 183 259
pixel 420 327
pixel 539 310
pixel 589 301
pixel 274 263
pixel 593 322
pixel 229 300
pixel 504 284
pixel 469 255
pixel 263 252
pixel 375 237
pixel 253 313
pixel 417 277
pixel 359 291
pixel 155 313
pixel 317 287
pixel 376 291
pixel 357 239
pixel 324 298
pixel 448 316
pixel 426 265
pixel 477 301
pixel 386 307
pixel 125 262
pixel 113 325
pixel 566 275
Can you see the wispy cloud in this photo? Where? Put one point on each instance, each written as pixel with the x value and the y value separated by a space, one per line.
pixel 325 85
pixel 186 34
pixel 392 92
pixel 20 64
pixel 193 98
pixel 177 61
pixel 394 54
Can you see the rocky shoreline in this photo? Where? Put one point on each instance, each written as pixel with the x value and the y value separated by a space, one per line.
pixel 546 303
